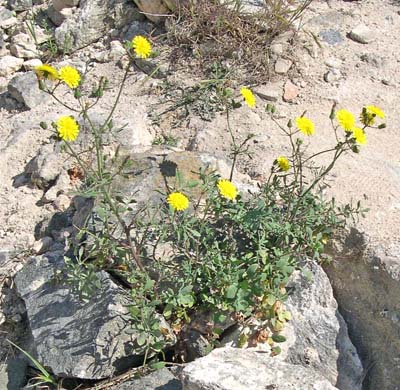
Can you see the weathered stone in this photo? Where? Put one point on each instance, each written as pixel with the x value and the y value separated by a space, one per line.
pixel 90 339
pixel 23 46
pixel 25 89
pixel 43 245
pixel 93 19
pixel 270 92
pixel 61 4
pixel 155 10
pixel 321 339
pixel 331 36
pixel 362 34
pixel 58 17
pixel 45 167
pixel 317 336
pixel 366 283
pixel 9 65
pixel 290 91
pixel 332 75
pixel 31 64
pixel 160 379
pixel 240 369
pixel 13 374
pixel 7 18
pixel 20 5
pixel 282 66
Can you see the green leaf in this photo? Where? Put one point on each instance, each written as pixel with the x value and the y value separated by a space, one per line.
pixel 157 365
pixel 141 339
pixel 231 291
pixel 278 338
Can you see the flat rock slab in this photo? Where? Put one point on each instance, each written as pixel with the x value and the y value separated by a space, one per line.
pixel 240 369
pixel 88 340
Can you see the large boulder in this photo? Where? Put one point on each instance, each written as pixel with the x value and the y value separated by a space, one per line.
pixel 88 339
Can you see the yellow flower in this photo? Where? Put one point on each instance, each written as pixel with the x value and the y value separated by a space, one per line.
pixel 70 76
pixel 375 111
pixel 47 72
pixel 227 189
pixel 283 163
pixel 305 125
pixel 178 201
pixel 248 97
pixel 141 46
pixel 346 120
pixel 67 128
pixel 360 136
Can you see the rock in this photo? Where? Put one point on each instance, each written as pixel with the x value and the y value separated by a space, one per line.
pixel 332 75
pixel 317 336
pixel 117 50
pixel 331 36
pixel 90 339
pixel 290 91
pixel 282 66
pixel 160 379
pixel 13 373
pixel 93 20
pixel 366 283
pixel 9 65
pixel 45 167
pixel 31 64
pixel 58 17
pixel 23 46
pixel 20 5
pixel 62 185
pixel 271 92
pixel 240 369
pixel 62 202
pixel 154 10
pixel 25 89
pixel 61 4
pixel 7 18
pixel 321 340
pixel 43 245
pixel 362 34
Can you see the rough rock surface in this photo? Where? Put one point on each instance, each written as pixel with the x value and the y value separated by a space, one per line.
pixel 24 88
pixel 94 19
pixel 227 369
pixel 89 340
pixel 321 338
pixel 366 283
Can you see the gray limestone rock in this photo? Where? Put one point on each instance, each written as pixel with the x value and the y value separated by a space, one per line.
pixel 25 89
pixel 89 339
pixel 9 65
pixel 20 5
pixel 13 373
pixel 240 369
pixel 93 20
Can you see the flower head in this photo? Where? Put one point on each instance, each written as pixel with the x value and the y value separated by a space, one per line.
pixel 346 120
pixel 375 111
pixel 227 189
pixel 70 76
pixel 141 46
pixel 47 72
pixel 305 125
pixel 248 97
pixel 67 128
pixel 359 136
pixel 283 163
pixel 178 201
